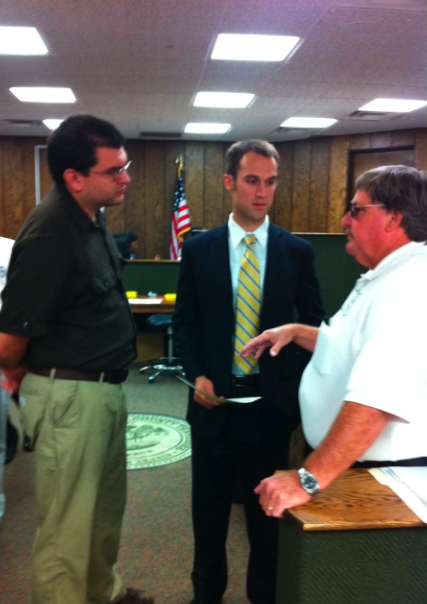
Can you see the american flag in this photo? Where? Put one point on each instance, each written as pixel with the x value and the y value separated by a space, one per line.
pixel 180 218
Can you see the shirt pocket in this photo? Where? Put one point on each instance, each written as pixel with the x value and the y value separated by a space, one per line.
pixel 321 360
pixel 103 281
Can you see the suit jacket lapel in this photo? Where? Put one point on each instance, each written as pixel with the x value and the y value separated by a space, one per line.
pixel 221 261
pixel 273 263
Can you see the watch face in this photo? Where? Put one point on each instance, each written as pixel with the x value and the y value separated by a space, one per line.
pixel 310 482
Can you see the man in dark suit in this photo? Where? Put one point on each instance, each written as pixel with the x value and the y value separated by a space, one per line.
pixel 236 280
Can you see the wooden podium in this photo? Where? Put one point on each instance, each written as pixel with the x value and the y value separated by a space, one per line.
pixel 354 543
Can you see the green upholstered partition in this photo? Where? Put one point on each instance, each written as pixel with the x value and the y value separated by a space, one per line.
pixel 159 276
pixel 337 271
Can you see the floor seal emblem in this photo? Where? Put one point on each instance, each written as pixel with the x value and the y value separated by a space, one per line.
pixel 156 440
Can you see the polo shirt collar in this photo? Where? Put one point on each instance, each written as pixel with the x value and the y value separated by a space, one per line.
pixel 397 255
pixel 237 234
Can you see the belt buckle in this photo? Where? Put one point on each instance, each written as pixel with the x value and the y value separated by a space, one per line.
pixel 243 380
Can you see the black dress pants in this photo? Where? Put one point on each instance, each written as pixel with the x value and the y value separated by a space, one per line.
pixel 214 463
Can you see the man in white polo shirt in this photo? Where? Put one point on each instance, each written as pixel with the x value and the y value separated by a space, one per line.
pixel 363 395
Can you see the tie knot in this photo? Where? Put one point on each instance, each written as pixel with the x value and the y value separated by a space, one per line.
pixel 249 239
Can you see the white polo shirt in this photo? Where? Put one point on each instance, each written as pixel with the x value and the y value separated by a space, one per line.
pixel 374 352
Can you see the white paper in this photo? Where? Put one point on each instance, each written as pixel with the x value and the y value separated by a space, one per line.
pixel 145 300
pixel 409 483
pixel 217 399
pixel 244 399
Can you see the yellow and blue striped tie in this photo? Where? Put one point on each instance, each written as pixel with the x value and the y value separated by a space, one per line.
pixel 248 306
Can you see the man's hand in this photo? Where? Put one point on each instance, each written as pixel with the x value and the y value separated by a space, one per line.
pixel 276 338
pixel 12 378
pixel 280 492
pixel 12 350
pixel 204 384
pixel 303 335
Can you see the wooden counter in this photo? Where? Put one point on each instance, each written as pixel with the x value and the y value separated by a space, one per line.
pixel 150 344
pixel 152 309
pixel 355 501
pixel 354 543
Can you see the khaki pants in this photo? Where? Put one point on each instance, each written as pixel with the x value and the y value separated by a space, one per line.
pixel 78 430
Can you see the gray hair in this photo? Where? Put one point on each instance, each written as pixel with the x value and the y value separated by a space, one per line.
pixel 238 150
pixel 402 189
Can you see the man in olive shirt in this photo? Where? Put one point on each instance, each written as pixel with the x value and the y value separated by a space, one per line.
pixel 66 322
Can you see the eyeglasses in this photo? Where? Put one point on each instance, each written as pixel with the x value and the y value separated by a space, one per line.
pixel 356 208
pixel 114 172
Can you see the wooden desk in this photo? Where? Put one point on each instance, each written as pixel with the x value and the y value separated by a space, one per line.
pixel 152 309
pixel 354 543
pixel 150 344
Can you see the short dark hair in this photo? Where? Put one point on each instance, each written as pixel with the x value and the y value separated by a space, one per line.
pixel 73 144
pixel 402 189
pixel 238 150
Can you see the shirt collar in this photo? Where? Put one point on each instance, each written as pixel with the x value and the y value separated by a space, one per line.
pixel 82 220
pixel 398 254
pixel 237 234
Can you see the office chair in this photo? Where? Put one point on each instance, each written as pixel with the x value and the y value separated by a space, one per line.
pixel 170 364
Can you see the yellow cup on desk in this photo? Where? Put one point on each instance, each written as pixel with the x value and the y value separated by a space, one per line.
pixel 132 294
pixel 170 297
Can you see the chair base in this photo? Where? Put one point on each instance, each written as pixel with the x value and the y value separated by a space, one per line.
pixel 167 365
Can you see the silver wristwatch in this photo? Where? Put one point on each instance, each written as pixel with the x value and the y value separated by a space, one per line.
pixel 308 482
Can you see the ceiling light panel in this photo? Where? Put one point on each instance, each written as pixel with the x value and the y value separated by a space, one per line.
pixel 393 105
pixel 244 47
pixel 308 122
pixel 44 95
pixel 52 124
pixel 207 128
pixel 21 41
pixel 232 100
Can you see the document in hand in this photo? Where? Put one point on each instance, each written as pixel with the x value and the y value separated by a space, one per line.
pixel 217 399
pixel 409 483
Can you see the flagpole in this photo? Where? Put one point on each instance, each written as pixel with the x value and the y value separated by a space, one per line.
pixel 180 160
pixel 180 214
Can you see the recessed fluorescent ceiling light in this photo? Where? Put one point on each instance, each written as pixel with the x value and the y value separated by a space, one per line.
pixel 393 105
pixel 243 47
pixel 52 124
pixel 212 128
pixel 44 95
pixel 223 99
pixel 21 41
pixel 307 122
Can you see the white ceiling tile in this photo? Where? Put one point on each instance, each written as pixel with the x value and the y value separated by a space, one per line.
pixel 140 62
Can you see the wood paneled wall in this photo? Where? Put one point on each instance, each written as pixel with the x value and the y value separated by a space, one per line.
pixel 17 182
pixel 311 192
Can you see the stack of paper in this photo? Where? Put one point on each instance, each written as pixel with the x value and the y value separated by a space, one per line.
pixel 409 483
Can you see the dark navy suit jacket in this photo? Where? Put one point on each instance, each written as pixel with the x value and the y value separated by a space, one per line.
pixel 203 323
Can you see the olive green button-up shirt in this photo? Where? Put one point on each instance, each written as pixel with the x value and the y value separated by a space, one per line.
pixel 64 290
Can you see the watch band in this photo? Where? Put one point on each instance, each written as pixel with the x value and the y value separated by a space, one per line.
pixel 308 481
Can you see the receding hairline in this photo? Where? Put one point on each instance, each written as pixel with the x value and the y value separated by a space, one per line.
pixel 259 155
pixel 238 150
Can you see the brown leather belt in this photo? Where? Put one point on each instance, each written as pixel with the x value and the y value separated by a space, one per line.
pixel 111 377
